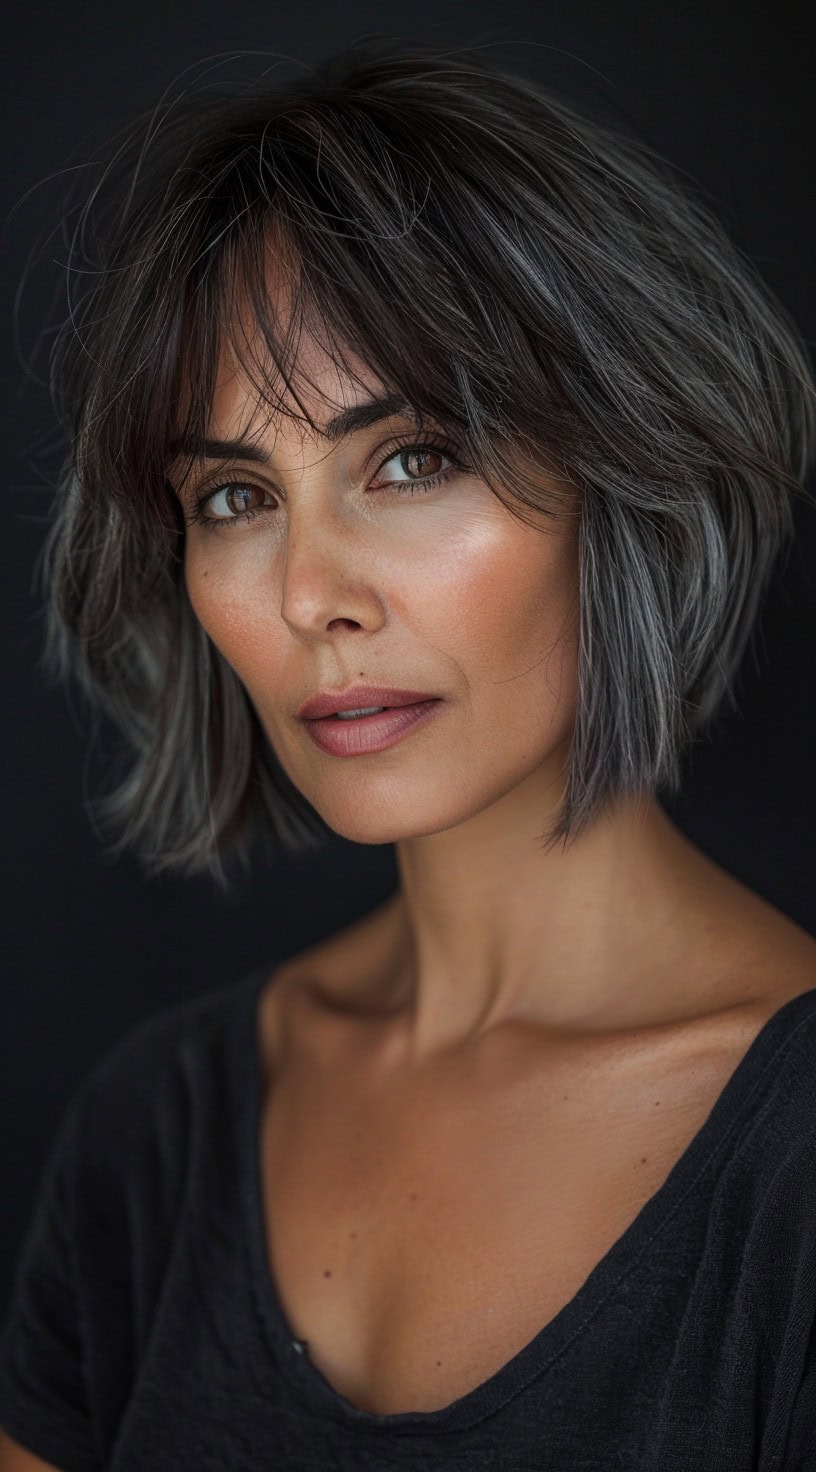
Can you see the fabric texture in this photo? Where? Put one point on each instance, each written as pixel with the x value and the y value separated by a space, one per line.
pixel 145 1329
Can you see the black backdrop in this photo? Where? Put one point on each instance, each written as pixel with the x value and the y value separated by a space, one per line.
pixel 91 945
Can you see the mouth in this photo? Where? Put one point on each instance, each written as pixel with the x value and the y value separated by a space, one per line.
pixel 365 731
pixel 360 701
pixel 365 713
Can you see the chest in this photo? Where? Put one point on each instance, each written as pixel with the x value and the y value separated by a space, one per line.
pixel 419 1241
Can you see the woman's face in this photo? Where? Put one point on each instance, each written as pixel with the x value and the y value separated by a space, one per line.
pixel 351 572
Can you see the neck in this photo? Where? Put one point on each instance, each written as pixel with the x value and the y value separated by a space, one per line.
pixel 598 934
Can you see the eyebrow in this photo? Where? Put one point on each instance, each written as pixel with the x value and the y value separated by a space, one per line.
pixel 348 421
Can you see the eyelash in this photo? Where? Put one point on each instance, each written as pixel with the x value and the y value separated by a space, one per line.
pixel 426 483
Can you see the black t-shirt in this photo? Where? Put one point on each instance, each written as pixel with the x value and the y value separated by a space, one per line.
pixel 146 1333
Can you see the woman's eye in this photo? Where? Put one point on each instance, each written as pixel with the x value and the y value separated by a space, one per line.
pixel 232 504
pixel 235 501
pixel 418 469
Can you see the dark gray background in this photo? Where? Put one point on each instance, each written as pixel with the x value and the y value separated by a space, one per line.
pixel 724 89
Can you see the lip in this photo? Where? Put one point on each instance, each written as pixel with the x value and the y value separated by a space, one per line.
pixel 365 735
pixel 326 702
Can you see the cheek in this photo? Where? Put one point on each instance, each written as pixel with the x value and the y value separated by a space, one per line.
pixel 240 622
pixel 504 606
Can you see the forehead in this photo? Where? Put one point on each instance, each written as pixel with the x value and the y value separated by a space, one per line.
pixel 251 393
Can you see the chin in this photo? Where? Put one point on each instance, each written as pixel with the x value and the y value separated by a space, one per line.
pixel 366 820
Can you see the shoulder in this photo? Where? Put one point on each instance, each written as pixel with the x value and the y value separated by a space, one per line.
pixel 772 1012
pixel 771 1168
pixel 161 1034
pixel 790 1060
pixel 755 971
pixel 147 1087
pixel 770 1181
pixel 156 1042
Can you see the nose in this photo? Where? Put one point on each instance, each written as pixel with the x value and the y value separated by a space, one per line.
pixel 328 584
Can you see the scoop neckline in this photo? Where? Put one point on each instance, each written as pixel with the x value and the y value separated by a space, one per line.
pixel 535 1358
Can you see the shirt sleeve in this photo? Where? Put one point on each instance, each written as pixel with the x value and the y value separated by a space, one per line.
pixel 44 1394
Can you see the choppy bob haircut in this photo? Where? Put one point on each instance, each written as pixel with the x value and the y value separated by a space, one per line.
pixel 530 279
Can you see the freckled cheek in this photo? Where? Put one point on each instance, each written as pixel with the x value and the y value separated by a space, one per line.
pixel 242 624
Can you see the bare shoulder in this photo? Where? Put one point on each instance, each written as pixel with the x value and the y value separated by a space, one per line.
pixel 767 958
pixel 727 951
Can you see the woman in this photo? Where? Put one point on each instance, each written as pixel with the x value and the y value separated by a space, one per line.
pixel 432 449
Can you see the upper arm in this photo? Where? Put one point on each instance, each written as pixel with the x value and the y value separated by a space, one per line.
pixel 15 1458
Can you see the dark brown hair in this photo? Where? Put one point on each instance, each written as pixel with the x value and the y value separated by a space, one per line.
pixel 534 279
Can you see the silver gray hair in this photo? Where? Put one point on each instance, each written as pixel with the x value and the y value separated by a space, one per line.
pixel 533 279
